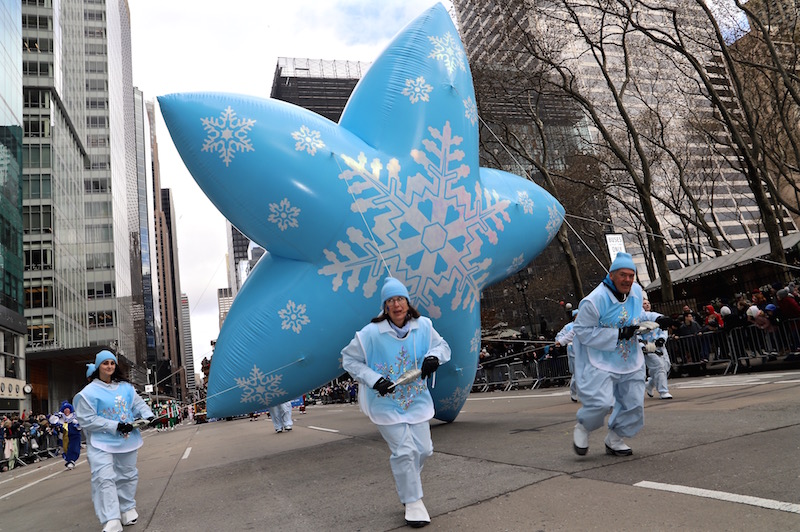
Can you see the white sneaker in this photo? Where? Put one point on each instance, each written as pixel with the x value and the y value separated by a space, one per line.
pixel 616 446
pixel 417 515
pixel 580 439
pixel 666 395
pixel 113 526
pixel 130 517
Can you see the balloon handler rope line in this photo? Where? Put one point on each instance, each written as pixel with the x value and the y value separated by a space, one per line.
pixel 241 385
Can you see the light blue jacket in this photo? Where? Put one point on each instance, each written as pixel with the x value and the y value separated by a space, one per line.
pixel 100 407
pixel 600 316
pixel 377 352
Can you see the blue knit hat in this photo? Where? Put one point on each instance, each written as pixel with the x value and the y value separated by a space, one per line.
pixel 622 260
pixel 90 369
pixel 392 287
pixel 105 354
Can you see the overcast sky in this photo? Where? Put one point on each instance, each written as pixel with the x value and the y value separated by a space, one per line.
pixel 233 46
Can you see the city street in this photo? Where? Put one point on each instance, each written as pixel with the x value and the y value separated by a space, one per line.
pixel 721 456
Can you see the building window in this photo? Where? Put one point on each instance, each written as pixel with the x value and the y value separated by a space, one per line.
pixel 37 219
pixel 97 209
pixel 99 290
pixel 97 186
pixel 38 259
pixel 101 319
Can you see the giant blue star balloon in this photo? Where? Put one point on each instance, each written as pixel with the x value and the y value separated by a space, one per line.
pixel 394 187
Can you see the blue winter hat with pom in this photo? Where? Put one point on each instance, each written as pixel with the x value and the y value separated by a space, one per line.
pixel 391 288
pixel 622 260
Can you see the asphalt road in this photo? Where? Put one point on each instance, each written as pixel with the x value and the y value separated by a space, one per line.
pixel 723 455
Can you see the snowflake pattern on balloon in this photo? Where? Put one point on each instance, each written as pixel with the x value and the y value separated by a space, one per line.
pixel 471 111
pixel 293 317
pixel 424 223
pixel 454 401
pixel 260 387
pixel 449 51
pixel 516 264
pixel 475 343
pixel 417 90
pixel 307 140
pixel 526 202
pixel 553 222
pixel 227 135
pixel 283 214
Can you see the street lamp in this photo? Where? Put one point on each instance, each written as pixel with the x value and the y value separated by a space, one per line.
pixel 521 285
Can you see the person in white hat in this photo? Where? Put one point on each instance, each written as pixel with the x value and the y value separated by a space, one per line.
pixel 609 364
pixel 657 362
pixel 564 338
pixel 399 340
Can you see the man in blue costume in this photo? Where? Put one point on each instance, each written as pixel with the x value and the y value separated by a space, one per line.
pixel 609 364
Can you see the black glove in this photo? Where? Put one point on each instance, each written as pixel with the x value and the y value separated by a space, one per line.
pixel 429 365
pixel 626 333
pixel 150 419
pixel 660 342
pixel 664 322
pixel 124 427
pixel 383 385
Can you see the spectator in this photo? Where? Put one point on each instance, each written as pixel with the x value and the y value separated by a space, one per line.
pixel 787 304
pixel 689 327
pixel 711 313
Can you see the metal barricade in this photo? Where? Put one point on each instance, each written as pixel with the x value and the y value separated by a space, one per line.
pixel 754 346
pixel 552 369
pixel 699 351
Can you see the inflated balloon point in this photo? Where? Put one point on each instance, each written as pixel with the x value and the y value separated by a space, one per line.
pixel 395 186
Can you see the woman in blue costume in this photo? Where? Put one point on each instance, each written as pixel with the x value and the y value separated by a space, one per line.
pixel 106 409
pixel 397 341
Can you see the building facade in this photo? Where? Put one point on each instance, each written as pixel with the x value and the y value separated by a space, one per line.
pixel 12 321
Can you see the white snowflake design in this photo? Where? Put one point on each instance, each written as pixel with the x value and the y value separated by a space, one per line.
pixel 308 140
pixel 525 201
pixel 259 387
pixel 471 110
pixel 449 51
pixel 454 401
pixel 293 317
pixel 422 223
pixel 417 90
pixel 553 222
pixel 227 135
pixel 283 214
pixel 516 264
pixel 475 343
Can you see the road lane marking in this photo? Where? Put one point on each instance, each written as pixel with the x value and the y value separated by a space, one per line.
pixel 30 484
pixel 322 429
pixel 186 453
pixel 722 496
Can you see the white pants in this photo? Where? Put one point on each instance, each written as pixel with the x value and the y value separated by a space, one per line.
pixel 114 480
pixel 411 445
pixel 281 415
pixel 658 366
pixel 601 390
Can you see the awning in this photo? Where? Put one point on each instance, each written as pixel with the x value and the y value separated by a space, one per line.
pixel 725 262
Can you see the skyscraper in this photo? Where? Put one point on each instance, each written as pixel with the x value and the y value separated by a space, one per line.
pixel 188 356
pixel 145 293
pixel 169 280
pixel 12 321
pixel 111 181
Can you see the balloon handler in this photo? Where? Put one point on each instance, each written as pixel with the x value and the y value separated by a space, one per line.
pixel 110 411
pixel 392 357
